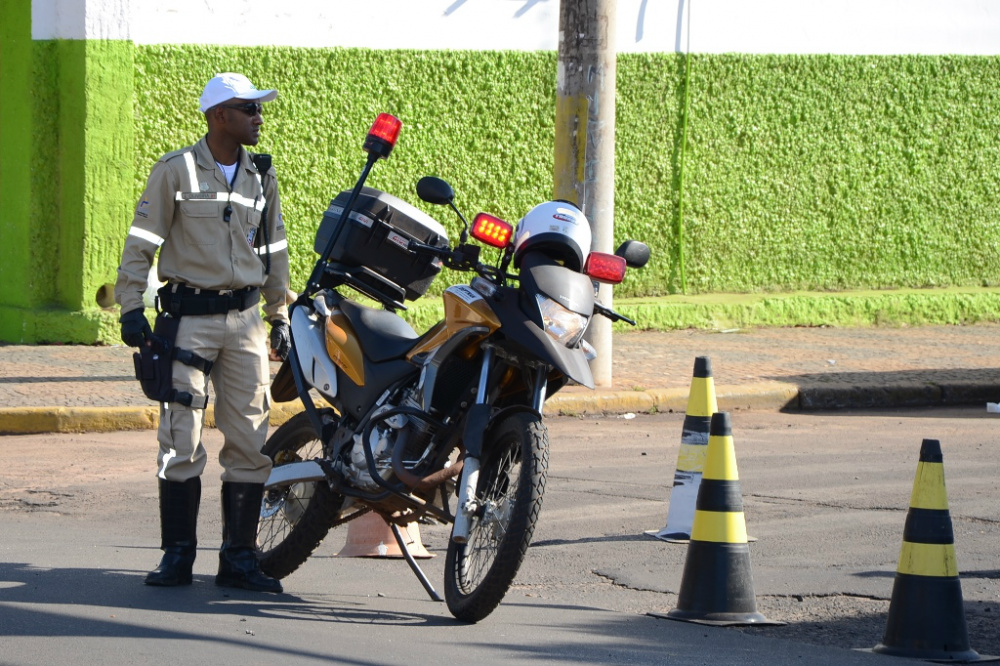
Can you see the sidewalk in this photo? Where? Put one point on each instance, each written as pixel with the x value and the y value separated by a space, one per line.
pixel 70 388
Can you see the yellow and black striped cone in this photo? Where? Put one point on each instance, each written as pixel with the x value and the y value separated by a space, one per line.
pixel 691 456
pixel 926 613
pixel 717 587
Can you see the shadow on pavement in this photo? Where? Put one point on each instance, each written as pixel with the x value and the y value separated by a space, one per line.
pixel 61 603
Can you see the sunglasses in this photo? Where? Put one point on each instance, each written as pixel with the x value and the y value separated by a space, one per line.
pixel 249 108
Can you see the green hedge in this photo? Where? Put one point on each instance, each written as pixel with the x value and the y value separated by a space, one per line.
pixel 830 173
pixel 800 172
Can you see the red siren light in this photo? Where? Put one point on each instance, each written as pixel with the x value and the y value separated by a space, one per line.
pixel 604 267
pixel 383 135
pixel 491 230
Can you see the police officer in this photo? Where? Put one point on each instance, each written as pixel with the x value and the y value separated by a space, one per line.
pixel 215 218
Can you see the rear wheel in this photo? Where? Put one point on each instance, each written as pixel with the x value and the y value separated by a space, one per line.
pixel 509 494
pixel 295 518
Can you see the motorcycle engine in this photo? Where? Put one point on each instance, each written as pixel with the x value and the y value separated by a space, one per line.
pixel 383 439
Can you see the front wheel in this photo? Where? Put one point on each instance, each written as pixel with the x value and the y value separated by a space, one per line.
pixel 509 495
pixel 295 517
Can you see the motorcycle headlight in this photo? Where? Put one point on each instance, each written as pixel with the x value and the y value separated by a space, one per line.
pixel 565 326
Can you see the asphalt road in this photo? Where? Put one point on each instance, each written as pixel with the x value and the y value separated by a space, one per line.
pixel 825 495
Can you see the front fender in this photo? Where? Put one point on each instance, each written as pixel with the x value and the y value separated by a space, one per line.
pixel 513 409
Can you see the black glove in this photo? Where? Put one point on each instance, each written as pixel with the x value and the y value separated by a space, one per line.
pixel 281 341
pixel 135 328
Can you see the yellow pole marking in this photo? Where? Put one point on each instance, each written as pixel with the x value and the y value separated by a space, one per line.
pixel 572 113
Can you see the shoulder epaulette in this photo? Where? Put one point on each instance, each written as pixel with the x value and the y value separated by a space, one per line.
pixel 176 153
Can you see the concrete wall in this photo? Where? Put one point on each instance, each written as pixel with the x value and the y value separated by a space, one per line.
pixel 91 91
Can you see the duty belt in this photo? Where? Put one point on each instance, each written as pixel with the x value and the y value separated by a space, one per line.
pixel 181 300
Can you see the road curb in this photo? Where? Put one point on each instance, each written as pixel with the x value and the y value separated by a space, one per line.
pixel 31 420
pixel 37 420
pixel 764 396
pixel 576 401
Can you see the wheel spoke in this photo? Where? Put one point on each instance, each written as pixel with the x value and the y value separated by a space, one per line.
pixel 296 516
pixel 284 506
pixel 488 531
pixel 511 482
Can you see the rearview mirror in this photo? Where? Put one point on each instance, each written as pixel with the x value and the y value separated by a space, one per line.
pixel 635 253
pixel 433 190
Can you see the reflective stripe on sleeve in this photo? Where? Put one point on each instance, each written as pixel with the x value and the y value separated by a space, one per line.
pixel 273 247
pixel 146 235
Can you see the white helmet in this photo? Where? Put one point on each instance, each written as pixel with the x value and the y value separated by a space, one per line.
pixel 557 228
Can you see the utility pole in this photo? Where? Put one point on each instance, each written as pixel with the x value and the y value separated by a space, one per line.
pixel 585 137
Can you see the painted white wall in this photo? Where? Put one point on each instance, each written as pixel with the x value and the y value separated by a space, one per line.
pixel 878 27
pixel 81 19
pixel 852 27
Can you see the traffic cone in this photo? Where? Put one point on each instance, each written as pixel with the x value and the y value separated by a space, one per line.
pixel 691 456
pixel 926 612
pixel 717 586
pixel 369 535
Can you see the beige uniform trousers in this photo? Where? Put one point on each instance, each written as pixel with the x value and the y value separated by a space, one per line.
pixel 236 343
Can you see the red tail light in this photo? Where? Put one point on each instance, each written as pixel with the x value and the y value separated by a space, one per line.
pixel 491 230
pixel 604 267
pixel 383 135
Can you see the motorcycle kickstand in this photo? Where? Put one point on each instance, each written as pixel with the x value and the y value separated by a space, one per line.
pixel 418 572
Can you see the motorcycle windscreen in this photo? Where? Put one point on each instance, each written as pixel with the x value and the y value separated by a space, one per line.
pixel 573 290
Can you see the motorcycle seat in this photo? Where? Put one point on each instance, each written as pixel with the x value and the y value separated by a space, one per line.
pixel 385 334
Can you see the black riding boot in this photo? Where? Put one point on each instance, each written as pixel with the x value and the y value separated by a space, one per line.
pixel 238 564
pixel 178 527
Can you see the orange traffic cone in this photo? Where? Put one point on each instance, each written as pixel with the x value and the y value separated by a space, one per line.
pixel 369 535
pixel 926 613
pixel 717 586
pixel 691 456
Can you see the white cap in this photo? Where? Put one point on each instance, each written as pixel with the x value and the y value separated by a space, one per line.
pixel 226 86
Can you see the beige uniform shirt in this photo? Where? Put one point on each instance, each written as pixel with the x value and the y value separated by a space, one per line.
pixel 181 213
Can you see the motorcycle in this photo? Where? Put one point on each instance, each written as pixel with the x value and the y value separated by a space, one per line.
pixel 443 426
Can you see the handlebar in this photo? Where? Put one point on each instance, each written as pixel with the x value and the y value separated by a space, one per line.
pixel 417 246
pixel 605 311
pixel 465 257
pixel 462 258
